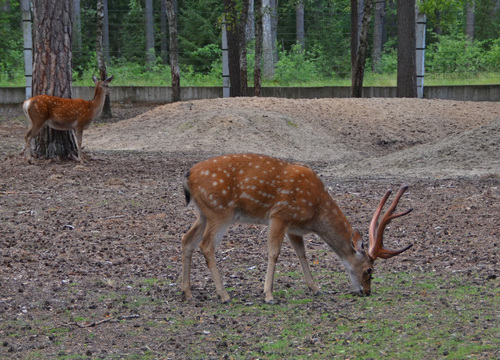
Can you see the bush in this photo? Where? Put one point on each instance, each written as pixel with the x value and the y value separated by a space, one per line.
pixel 456 54
pixel 492 57
pixel 294 67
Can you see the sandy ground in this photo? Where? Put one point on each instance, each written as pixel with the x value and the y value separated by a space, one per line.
pixel 367 137
pixel 79 245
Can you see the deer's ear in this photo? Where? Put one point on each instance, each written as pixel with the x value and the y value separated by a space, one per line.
pixel 95 79
pixel 357 241
pixel 108 80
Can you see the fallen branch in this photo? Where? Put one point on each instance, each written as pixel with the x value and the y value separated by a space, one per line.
pixel 99 322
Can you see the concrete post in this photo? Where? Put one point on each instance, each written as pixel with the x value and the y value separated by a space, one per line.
pixel 28 46
pixel 226 83
pixel 420 32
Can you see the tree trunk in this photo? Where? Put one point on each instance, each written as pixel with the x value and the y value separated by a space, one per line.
pixel 359 72
pixel 378 31
pixel 407 52
pixel 52 61
pixel 469 19
pixel 232 47
pixel 101 60
pixel 267 42
pixel 250 21
pixel 77 28
pixel 174 50
pixel 164 32
pixel 105 30
pixel 274 30
pixel 299 23
pixel 150 34
pixel 257 78
pixel 354 38
pixel 242 46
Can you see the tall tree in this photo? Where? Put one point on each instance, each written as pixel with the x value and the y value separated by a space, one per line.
pixel 469 19
pixel 378 30
pixel 242 47
pixel 360 61
pixel 267 42
pixel 354 37
pixel 299 23
pixel 174 50
pixel 101 58
pixel 407 64
pixel 52 59
pixel 150 33
pixel 233 46
pixel 77 28
pixel 257 78
pixel 164 32
pixel 250 21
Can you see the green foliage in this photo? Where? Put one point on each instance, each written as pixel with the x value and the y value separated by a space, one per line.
pixel 458 54
pixel 199 33
pixel 447 15
pixel 295 66
pixel 11 42
pixel 487 18
pixel 133 37
pixel 324 61
pixel 388 63
pixel 492 57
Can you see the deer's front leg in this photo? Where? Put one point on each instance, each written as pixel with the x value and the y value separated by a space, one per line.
pixel 298 245
pixel 277 231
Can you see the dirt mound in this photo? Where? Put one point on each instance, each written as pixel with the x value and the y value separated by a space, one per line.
pixel 355 136
pixel 472 153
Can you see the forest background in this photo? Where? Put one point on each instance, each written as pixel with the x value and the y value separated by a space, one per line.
pixel 462 43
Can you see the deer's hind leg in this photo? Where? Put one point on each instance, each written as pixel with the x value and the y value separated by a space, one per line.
pixel 190 242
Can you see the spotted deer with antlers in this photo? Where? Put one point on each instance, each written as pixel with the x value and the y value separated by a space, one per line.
pixel 64 114
pixel 292 200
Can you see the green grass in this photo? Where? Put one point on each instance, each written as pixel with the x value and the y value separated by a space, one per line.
pixel 125 76
pixel 410 315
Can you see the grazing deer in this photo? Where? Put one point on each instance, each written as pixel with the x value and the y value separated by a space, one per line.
pixel 64 114
pixel 292 200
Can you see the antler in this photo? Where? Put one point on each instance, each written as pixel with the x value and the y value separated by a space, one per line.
pixel 376 247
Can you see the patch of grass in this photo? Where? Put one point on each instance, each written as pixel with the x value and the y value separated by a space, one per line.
pixel 400 321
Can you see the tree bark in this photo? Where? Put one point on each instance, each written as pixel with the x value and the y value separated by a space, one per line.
pixel 250 21
pixel 354 38
pixel 52 72
pixel 77 28
pixel 267 42
pixel 101 59
pixel 233 47
pixel 299 23
pixel 242 46
pixel 407 64
pixel 105 30
pixel 378 31
pixel 257 78
pixel 469 19
pixel 359 70
pixel 274 30
pixel 164 32
pixel 150 33
pixel 174 50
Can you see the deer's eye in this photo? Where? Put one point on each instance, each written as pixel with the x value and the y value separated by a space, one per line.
pixel 369 271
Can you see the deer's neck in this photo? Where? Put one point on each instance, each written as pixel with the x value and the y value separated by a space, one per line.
pixel 335 230
pixel 98 101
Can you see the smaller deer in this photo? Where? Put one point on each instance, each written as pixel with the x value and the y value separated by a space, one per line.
pixel 64 114
pixel 292 200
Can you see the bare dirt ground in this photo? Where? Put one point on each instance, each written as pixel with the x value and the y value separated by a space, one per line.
pixel 77 241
